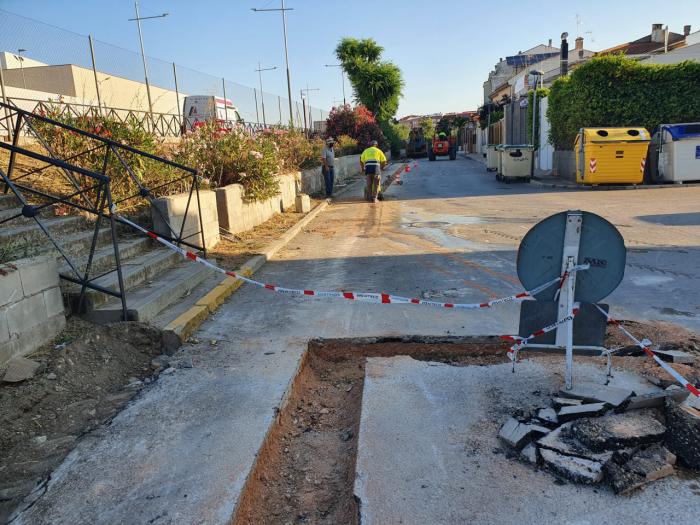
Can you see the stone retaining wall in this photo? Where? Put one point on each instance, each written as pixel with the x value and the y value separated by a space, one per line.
pixel 31 306
pixel 345 167
pixel 237 215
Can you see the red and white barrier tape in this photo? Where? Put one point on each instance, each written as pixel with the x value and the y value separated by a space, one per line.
pixel 645 345
pixel 520 342
pixel 366 297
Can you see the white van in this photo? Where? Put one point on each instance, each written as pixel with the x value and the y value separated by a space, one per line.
pixel 199 109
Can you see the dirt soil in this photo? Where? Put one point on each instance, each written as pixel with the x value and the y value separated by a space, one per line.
pixel 234 250
pixel 86 377
pixel 305 470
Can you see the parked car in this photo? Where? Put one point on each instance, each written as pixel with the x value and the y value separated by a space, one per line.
pixel 200 109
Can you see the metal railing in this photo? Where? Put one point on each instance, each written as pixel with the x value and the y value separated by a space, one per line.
pixel 89 190
pixel 165 125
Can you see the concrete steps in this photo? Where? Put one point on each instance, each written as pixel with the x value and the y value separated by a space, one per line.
pixel 31 233
pixel 103 259
pixel 156 279
pixel 150 299
pixel 135 271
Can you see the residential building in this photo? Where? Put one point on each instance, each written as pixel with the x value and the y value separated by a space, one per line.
pixel 660 40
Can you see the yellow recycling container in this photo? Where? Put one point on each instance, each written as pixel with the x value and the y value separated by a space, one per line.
pixel 611 155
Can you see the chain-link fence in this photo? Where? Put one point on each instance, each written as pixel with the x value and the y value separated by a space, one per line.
pixel 44 65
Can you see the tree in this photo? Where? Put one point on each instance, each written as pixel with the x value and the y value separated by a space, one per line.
pixel 377 84
pixel 428 127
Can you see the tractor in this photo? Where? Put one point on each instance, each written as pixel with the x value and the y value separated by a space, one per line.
pixel 443 144
pixel 416 145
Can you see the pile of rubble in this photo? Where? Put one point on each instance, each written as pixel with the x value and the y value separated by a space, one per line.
pixel 596 433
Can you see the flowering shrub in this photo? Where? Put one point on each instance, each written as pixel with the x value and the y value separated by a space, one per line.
pixel 89 153
pixel 357 123
pixel 295 150
pixel 233 157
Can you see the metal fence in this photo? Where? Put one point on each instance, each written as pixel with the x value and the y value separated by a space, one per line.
pixel 41 63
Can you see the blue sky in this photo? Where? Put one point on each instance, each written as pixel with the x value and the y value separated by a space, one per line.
pixel 445 49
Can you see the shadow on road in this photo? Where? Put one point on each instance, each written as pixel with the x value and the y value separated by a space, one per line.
pixel 673 219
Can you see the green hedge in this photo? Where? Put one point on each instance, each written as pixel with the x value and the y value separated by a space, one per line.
pixel 618 91
pixel 541 93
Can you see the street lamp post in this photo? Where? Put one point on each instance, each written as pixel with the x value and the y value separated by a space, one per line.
pixel 21 65
pixel 539 76
pixel 262 94
pixel 143 54
pixel 286 53
pixel 342 78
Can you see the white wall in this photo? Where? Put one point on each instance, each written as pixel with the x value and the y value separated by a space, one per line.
pixel 546 152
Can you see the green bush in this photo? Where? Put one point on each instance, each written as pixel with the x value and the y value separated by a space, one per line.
pixel 396 134
pixel 617 91
pixel 346 145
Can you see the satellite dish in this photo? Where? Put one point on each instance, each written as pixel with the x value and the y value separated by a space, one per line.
pixel 601 245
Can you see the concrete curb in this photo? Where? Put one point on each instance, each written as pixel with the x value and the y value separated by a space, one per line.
pixel 183 326
pixel 556 185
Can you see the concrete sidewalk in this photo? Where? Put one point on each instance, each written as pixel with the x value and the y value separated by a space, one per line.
pixel 428 452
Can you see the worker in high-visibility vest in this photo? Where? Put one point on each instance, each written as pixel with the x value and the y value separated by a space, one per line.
pixel 372 161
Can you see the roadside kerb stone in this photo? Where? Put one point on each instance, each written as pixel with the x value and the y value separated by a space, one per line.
pixel 578 411
pixel 675 356
pixel 594 392
pixel 655 399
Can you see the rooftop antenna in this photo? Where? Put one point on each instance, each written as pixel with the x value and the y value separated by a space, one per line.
pixel 578 26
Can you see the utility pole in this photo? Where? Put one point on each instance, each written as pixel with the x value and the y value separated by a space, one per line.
pixel 286 53
pixel 262 94
pixel 143 54
pixel 305 97
pixel 342 78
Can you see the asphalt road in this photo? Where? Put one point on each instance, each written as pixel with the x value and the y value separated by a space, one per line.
pixel 181 452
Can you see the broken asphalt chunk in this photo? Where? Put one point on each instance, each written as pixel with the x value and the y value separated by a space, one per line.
pixel 655 462
pixel 683 429
pixel 594 392
pixel 560 402
pixel 574 468
pixel 618 431
pixel 562 441
pixel 517 435
pixel 548 416
pixel 575 412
